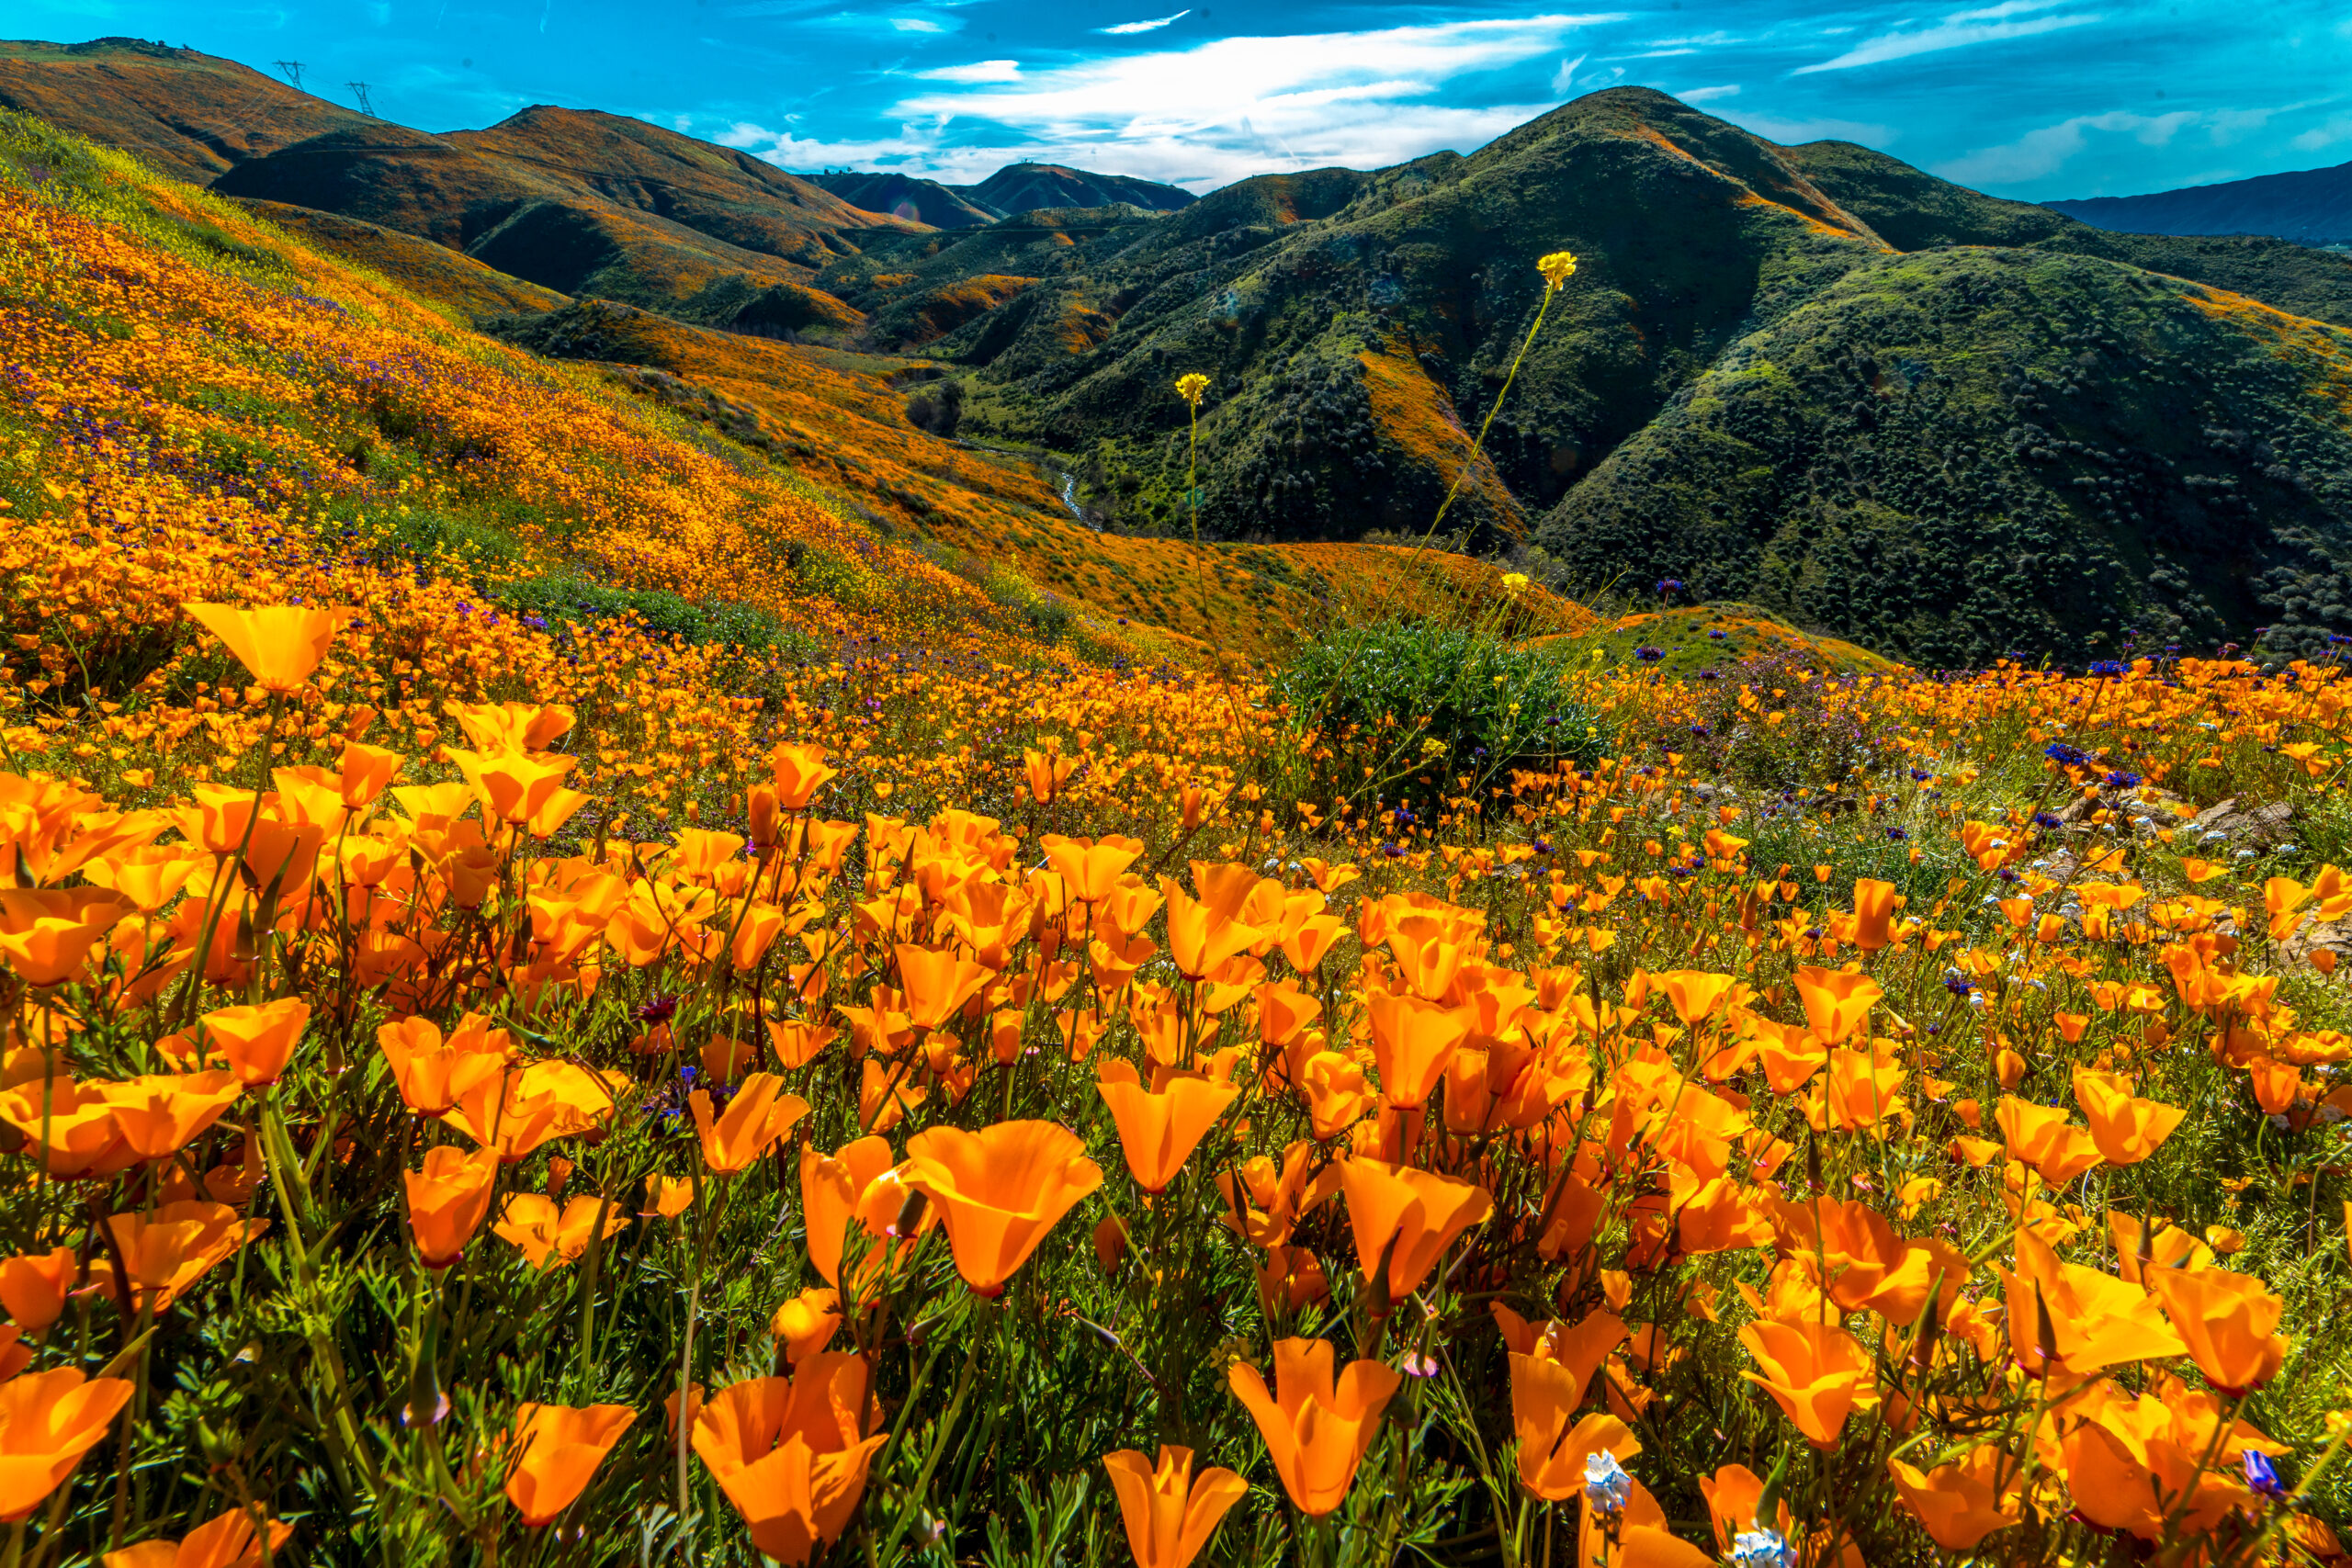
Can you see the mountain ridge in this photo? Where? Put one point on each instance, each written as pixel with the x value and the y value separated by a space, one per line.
pixel 2307 206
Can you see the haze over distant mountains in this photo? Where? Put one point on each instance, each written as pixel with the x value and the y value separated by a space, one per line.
pixel 1813 377
pixel 2312 206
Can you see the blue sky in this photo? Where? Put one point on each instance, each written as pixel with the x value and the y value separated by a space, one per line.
pixel 2032 98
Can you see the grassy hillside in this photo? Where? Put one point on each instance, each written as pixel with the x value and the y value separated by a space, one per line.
pixel 2313 206
pixel 191 115
pixel 1962 454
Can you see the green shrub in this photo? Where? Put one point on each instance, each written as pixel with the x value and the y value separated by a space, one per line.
pixel 1409 709
pixel 565 599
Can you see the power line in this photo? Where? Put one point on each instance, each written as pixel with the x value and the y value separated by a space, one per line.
pixel 292 69
pixel 359 91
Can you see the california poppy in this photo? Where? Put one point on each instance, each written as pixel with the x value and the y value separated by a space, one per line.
pixel 1317 1429
pixel 555 1450
pixel 46 935
pixel 1415 1212
pixel 999 1190
pixel 227 1541
pixel 1091 866
pixel 1553 1443
pixel 807 1322
pixel 800 772
pixel 791 1453
pixel 1412 1041
pixel 258 1042
pixel 756 1117
pixel 1958 1503
pixel 2041 1138
pixel 1815 1370
pixel 162 1113
pixel 169 1249
pixel 1159 1130
pixel 48 1421
pixel 1336 1093
pixel 279 645
pixel 1873 913
pixel 1836 1003
pixel 434 1073
pixel 534 1224
pixel 861 1184
pixel 938 982
pixel 448 1201
pixel 2125 1128
pixel 33 1286
pixel 2227 1320
pixel 1169 1512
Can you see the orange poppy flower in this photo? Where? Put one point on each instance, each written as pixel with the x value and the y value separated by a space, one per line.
pixel 159 1115
pixel 756 1117
pixel 227 1541
pixel 279 645
pixel 533 1224
pixel 520 1109
pixel 807 1322
pixel 1412 1041
pixel 1695 993
pixel 434 1073
pixel 790 1453
pixel 1168 1513
pixel 2126 1130
pixel 1816 1372
pixel 522 790
pixel 1159 1130
pixel 2083 1319
pixel 2040 1137
pixel 169 1249
pixel 1200 938
pixel 1553 1443
pixel 33 1287
pixel 1407 1216
pixel 861 1183
pixel 1336 1093
pixel 46 933
pixel 555 1452
pixel 2227 1320
pixel 1317 1429
pixel 799 772
pixel 1836 1003
pixel 258 1042
pixel 1091 867
pixel 448 1201
pixel 999 1190
pixel 73 1124
pixel 1873 913
pixel 48 1421
pixel 938 982
pixel 797 1042
pixel 1958 1504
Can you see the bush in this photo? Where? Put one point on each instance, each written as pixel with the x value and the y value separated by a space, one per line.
pixel 1409 709
pixel 565 599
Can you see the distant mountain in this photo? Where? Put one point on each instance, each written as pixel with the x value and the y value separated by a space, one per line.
pixel 1033 187
pixel 590 203
pixel 902 195
pixel 1815 377
pixel 579 202
pixel 188 114
pixel 2309 206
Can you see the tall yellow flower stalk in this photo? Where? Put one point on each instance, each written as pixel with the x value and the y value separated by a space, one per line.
pixel 1190 387
pixel 1557 268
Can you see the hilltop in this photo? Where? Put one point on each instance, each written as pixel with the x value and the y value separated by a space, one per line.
pixel 2310 205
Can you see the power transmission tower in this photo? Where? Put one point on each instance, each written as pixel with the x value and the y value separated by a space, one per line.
pixel 292 69
pixel 359 91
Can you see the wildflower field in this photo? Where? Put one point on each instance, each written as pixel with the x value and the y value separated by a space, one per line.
pixel 566 1004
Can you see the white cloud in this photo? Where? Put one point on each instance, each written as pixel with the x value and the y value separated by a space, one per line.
pixel 1956 32
pixel 1219 110
pixel 1146 26
pixel 916 25
pixel 742 133
pixel 2336 128
pixel 1707 95
pixel 1566 76
pixel 2044 152
pixel 1790 132
pixel 978 71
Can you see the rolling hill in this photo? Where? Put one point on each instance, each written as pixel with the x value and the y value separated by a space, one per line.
pixel 190 114
pixel 2310 205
